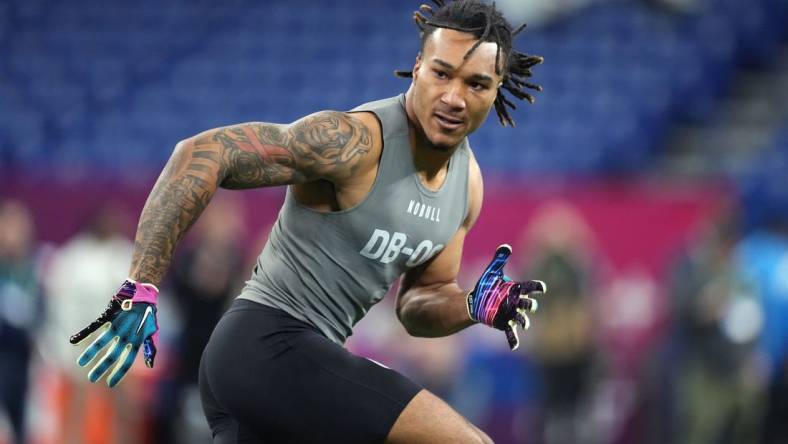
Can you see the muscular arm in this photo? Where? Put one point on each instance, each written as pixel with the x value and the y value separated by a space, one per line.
pixel 327 145
pixel 430 302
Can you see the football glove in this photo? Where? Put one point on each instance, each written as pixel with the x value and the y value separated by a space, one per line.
pixel 500 302
pixel 128 323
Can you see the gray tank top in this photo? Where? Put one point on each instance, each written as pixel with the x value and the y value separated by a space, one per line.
pixel 329 268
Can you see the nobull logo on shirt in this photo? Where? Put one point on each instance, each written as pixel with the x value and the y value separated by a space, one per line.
pixel 386 247
pixel 427 212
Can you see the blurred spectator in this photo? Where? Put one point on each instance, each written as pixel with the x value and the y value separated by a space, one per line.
pixel 763 257
pixel 20 306
pixel 84 274
pixel 563 346
pixel 718 321
pixel 205 277
pixel 544 392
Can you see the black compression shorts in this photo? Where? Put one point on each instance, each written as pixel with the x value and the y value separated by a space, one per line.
pixel 266 377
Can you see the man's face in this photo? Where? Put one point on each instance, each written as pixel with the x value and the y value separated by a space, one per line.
pixel 451 96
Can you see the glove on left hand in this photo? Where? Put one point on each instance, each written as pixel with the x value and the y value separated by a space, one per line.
pixel 501 303
pixel 129 321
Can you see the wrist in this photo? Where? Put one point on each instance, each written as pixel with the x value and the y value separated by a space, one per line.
pixel 149 286
pixel 469 306
pixel 137 292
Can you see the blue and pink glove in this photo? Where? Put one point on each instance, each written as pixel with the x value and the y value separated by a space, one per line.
pixel 501 303
pixel 129 322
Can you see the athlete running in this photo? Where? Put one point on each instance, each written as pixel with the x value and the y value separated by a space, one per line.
pixel 387 190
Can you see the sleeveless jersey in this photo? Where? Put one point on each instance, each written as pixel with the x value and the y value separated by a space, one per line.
pixel 329 268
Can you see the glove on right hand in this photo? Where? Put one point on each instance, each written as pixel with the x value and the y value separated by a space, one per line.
pixel 501 303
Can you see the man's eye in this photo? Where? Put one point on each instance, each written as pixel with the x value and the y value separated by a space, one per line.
pixel 440 74
pixel 478 86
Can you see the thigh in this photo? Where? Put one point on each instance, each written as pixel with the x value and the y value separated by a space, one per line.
pixel 235 380
pixel 427 419
pixel 362 399
pixel 284 382
pixel 225 429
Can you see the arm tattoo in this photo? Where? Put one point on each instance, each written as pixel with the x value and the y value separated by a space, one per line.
pixel 324 145
pixel 327 145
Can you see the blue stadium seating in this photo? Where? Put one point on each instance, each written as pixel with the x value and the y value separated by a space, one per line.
pixel 111 84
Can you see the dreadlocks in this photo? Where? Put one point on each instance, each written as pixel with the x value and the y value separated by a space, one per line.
pixel 487 24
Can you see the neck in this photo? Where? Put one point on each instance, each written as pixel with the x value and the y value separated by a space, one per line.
pixel 428 159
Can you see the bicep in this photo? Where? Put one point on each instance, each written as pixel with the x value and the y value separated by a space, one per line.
pixel 325 145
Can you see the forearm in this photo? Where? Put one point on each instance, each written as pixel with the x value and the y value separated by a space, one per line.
pixel 434 310
pixel 181 193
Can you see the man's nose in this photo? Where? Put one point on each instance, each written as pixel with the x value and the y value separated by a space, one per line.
pixel 453 97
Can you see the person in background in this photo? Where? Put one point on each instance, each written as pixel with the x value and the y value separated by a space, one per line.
pixel 82 273
pixel 564 350
pixel 20 310
pixel 762 255
pixel 718 320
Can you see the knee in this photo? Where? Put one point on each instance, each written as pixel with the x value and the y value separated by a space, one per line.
pixel 483 438
pixel 428 419
pixel 474 435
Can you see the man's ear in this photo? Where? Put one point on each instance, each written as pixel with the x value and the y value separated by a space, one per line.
pixel 417 65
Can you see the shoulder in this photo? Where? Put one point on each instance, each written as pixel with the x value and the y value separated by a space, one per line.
pixel 351 141
pixel 475 190
pixel 327 128
pixel 335 129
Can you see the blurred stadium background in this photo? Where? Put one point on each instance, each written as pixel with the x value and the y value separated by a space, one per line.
pixel 648 186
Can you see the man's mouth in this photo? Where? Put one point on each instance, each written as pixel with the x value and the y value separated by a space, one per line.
pixel 447 122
